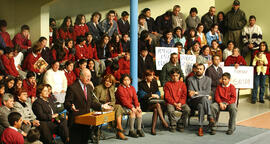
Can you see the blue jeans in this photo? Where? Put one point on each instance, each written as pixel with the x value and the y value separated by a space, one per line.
pixel 259 80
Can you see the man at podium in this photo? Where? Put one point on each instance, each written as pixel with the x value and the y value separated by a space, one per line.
pixel 78 101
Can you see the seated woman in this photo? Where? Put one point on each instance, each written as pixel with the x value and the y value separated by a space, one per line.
pixel 70 75
pixel 126 96
pixel 178 37
pixel 228 51
pixel 205 57
pixel 50 122
pixel 235 59
pixel 25 109
pixel 91 67
pixel 215 50
pixel 57 79
pixel 195 49
pixel 82 65
pixel 148 89
pixel 9 85
pixel 191 38
pixel 167 39
pixel 105 93
pixel 30 85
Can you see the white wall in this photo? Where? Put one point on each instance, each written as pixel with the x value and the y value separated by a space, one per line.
pixel 62 8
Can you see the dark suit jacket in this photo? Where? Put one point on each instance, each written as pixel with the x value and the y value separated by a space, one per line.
pixel 214 75
pixel 75 95
pixel 123 28
pixel 144 65
pixel 95 31
pixel 42 109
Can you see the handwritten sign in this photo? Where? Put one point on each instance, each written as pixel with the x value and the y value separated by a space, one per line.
pixel 163 55
pixel 242 77
pixel 187 62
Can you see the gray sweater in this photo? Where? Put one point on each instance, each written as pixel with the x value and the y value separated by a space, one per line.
pixel 200 85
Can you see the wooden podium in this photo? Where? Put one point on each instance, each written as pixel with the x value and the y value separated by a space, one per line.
pixel 95 118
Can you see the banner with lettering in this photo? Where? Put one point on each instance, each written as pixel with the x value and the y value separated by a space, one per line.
pixel 187 62
pixel 242 77
pixel 163 55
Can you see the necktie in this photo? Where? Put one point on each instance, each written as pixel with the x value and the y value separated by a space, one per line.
pixel 85 92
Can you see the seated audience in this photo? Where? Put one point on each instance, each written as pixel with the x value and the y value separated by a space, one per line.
pixel 81 48
pixel 105 94
pixel 164 22
pixel 178 18
pixel 180 48
pixel 33 136
pixel 192 37
pixel 30 85
pixel 82 64
pixel 95 27
pixel 200 33
pixel 192 20
pixel 70 75
pixel 167 39
pixel 124 64
pixel 145 61
pixel 80 28
pixel 214 72
pixel 228 51
pixel 148 93
pixel 46 52
pixel 91 50
pixel 146 41
pixel 193 72
pixel 18 59
pixel 216 50
pixel 123 23
pixel 175 93
pixel 214 34
pixel 195 49
pixel 66 30
pixel 11 134
pixel 205 57
pixel 50 122
pixel 235 59
pixel 22 106
pixel 165 72
pixel 69 49
pixel 221 22
pixel 126 96
pixel 8 61
pixel 57 80
pixel 115 47
pixel 23 38
pixel 109 25
pixel 5 35
pixel 209 19
pixel 178 37
pixel 94 78
pixel 9 84
pixel 225 99
pixel 125 42
pixel 199 90
pixel 59 52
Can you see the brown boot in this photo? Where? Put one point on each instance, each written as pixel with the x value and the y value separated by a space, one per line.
pixel 200 132
pixel 120 135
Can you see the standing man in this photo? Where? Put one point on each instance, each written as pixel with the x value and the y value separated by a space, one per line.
pixel 209 19
pixel 178 18
pixel 199 90
pixel 214 72
pixel 235 21
pixel 252 36
pixel 79 100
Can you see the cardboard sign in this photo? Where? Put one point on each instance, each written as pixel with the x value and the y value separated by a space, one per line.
pixel 187 62
pixel 163 55
pixel 242 77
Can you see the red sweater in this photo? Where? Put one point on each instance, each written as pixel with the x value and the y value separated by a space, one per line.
pixel 124 66
pixel 80 52
pixel 66 57
pixel 6 38
pixel 9 66
pixel 175 92
pixel 77 71
pixel 71 77
pixel 29 62
pixel 65 35
pixel 22 41
pixel 127 97
pixel 80 30
pixel 116 74
pixel 31 91
pixel 231 61
pixel 11 136
pixel 225 94
pixel 91 52
pixel 268 59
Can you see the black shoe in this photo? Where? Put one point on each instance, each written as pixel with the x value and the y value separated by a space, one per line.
pixel 132 133
pixel 262 101
pixel 212 132
pixel 140 133
pixel 172 129
pixel 253 102
pixel 229 132
pixel 180 128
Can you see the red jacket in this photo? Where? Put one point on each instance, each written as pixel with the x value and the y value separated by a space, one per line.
pixel 66 57
pixel 127 97
pixel 65 35
pixel 91 52
pixel 175 92
pixel 268 59
pixel 31 91
pixel 231 61
pixel 225 94
pixel 20 40
pixel 80 52
pixel 80 30
pixel 29 62
pixel 11 136
pixel 124 66
pixel 77 71
pixel 71 77
pixel 116 74
pixel 9 66
pixel 6 38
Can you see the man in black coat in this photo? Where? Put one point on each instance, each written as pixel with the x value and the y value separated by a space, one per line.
pixel 145 61
pixel 79 100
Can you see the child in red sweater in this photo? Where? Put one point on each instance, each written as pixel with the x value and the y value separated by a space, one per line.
pixel 23 38
pixel 225 98
pixel 80 47
pixel 11 134
pixel 30 85
pixel 82 65
pixel 70 75
pixel 5 35
pixel 127 98
pixel 8 62
pixel 80 28
pixel 124 64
